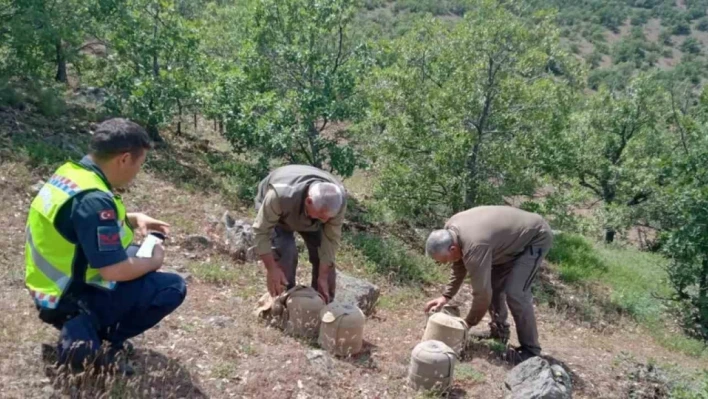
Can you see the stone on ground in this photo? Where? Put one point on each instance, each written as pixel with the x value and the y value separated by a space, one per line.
pixel 537 379
pixel 358 292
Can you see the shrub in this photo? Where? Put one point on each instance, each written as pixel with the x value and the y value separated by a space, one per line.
pixel 576 258
pixel 702 25
pixel 691 45
pixel 390 257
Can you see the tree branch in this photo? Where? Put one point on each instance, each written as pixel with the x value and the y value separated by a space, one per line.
pixel 639 198
pixel 587 185
pixel 339 50
pixel 678 122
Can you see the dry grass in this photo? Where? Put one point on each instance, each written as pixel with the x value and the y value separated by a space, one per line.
pixel 213 346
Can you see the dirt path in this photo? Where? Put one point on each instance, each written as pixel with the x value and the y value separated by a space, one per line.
pixel 214 347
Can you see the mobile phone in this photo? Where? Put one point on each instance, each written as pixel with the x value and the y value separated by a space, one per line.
pixel 148 245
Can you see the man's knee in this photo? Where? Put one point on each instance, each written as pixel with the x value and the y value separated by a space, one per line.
pixel 518 299
pixel 171 291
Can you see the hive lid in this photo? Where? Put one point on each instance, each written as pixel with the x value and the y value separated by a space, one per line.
pixel 449 321
pixel 302 291
pixel 434 346
pixel 337 309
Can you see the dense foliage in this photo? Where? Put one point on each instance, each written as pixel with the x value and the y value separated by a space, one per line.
pixel 558 103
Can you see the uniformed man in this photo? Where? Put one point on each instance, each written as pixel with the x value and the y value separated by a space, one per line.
pixel 307 200
pixel 80 268
pixel 501 248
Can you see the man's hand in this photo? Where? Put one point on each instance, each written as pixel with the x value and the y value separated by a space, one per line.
pixel 275 278
pixel 435 304
pixel 323 282
pixel 144 223
pixel 158 257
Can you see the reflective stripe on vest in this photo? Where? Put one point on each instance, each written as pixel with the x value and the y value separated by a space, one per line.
pixel 59 278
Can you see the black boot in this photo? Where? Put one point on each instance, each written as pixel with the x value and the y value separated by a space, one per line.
pixel 115 361
pixel 515 356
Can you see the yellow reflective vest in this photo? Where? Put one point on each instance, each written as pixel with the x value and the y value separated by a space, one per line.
pixel 48 255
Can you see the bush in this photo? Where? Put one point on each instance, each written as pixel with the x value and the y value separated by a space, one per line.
pixel 702 25
pixel 696 12
pixel 576 258
pixel 390 258
pixel 9 96
pixel 50 103
pixel 681 28
pixel 691 45
pixel 665 38
pixel 640 18
pixel 594 59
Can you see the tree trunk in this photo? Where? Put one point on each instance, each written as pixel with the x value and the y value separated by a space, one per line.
pixel 703 297
pixel 155 64
pixel 151 128
pixel 221 127
pixel 179 112
pixel 61 62
pixel 608 192
pixel 215 126
pixel 703 284
pixel 314 147
pixel 195 121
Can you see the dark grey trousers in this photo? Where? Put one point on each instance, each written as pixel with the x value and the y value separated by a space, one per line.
pixel 511 284
pixel 285 253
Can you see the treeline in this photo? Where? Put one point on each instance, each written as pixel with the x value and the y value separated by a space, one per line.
pixel 486 109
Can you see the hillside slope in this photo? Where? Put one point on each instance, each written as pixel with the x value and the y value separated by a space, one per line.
pixel 614 38
pixel 213 346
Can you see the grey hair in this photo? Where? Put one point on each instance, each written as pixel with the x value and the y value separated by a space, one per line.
pixel 438 243
pixel 327 196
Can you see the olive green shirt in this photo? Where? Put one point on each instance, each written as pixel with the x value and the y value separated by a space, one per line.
pixel 488 236
pixel 271 213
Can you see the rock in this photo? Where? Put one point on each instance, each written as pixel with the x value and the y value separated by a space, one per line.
pixel 37 186
pixel 357 292
pixel 219 321
pixel 321 361
pixel 239 238
pixel 196 242
pixel 537 379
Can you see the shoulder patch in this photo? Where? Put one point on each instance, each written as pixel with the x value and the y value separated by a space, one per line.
pixel 107 214
pixel 108 238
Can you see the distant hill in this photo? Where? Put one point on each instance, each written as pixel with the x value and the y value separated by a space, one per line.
pixel 615 37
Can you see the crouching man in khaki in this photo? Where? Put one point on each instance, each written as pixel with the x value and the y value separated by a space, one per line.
pixel 501 248
pixel 307 200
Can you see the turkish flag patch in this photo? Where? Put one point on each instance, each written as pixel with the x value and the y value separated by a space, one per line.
pixel 107 214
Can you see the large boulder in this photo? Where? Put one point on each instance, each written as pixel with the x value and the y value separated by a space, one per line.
pixel 357 292
pixel 537 379
pixel 240 238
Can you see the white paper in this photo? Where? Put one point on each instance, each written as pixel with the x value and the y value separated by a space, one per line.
pixel 145 250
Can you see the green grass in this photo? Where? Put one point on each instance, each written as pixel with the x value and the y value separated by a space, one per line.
pixel 576 258
pixel 637 282
pixel 391 258
pixel 214 273
pixel 691 388
pixel 465 372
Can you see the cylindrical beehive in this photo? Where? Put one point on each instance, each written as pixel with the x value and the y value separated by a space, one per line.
pixel 448 329
pixel 342 329
pixel 432 366
pixel 304 305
